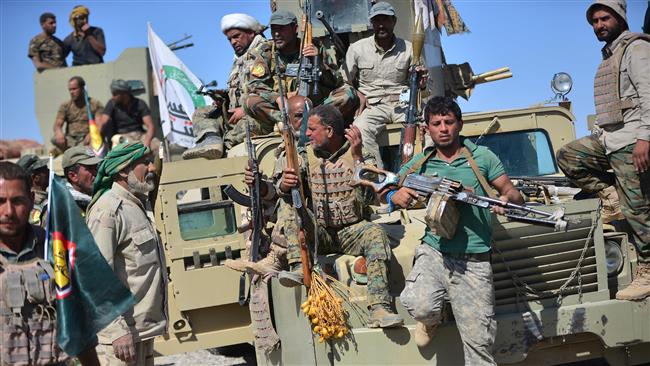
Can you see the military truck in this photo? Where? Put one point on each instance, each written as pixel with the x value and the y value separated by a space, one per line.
pixel 554 290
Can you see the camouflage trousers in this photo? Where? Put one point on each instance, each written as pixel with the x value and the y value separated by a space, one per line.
pixel 471 294
pixel 363 238
pixel 70 141
pixel 585 163
pixel 373 121
pixel 143 354
pixel 264 107
pixel 203 123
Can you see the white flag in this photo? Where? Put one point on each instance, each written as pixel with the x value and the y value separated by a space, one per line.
pixel 176 87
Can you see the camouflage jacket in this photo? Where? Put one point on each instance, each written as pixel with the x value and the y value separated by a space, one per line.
pixel 237 74
pixel 50 50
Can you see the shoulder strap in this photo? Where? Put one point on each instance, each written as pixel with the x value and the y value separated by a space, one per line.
pixel 418 163
pixel 481 179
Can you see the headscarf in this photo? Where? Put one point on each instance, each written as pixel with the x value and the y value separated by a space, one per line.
pixel 115 161
pixel 76 11
pixel 240 21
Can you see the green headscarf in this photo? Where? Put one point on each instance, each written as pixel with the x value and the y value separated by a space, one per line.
pixel 116 160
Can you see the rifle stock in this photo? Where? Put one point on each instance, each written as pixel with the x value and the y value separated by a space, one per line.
pixel 409 131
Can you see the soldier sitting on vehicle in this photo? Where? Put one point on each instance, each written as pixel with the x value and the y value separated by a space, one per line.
pixel 343 224
pixel 128 116
pixel 46 50
pixel 39 173
pixel 211 130
pixel 86 42
pixel 261 102
pixel 74 114
pixel 378 67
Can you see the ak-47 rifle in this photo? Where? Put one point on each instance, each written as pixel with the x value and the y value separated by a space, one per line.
pixel 297 193
pixel 219 96
pixel 425 186
pixel 336 40
pixel 309 73
pixel 409 131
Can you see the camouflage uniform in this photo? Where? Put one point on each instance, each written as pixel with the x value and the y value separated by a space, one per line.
pixel 262 83
pixel 76 120
pixel 49 49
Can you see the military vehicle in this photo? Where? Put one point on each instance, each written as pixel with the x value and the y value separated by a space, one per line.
pixel 554 290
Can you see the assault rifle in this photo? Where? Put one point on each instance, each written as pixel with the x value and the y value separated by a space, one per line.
pixel 425 186
pixel 309 73
pixel 409 131
pixel 217 95
pixel 297 193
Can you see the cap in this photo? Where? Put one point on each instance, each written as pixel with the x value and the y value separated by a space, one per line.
pixel 617 6
pixel 381 8
pixel 240 21
pixel 79 155
pixel 119 85
pixel 283 17
pixel 31 163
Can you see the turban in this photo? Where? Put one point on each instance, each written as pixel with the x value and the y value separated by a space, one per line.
pixel 115 161
pixel 77 11
pixel 241 21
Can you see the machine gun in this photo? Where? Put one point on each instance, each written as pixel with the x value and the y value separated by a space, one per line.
pixel 210 90
pixel 409 131
pixel 309 73
pixel 442 190
pixel 297 193
pixel 336 40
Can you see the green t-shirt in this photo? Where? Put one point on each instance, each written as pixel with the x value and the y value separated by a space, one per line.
pixel 474 230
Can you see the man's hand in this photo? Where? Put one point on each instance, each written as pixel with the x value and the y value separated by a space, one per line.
pixel 353 135
pixel 147 141
pixel 362 103
pixel 640 156
pixel 85 27
pixel 124 348
pixel 237 114
pixel 404 197
pixel 309 50
pixel 249 179
pixel 424 76
pixel 60 139
pixel 500 210
pixel 289 180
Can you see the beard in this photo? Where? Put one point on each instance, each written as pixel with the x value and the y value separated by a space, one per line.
pixel 140 188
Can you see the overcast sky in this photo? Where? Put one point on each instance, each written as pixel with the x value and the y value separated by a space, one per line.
pixel 535 39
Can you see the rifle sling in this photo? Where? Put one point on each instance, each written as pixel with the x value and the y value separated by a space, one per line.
pixel 481 179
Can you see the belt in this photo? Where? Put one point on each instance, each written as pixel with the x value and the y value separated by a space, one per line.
pixel 471 257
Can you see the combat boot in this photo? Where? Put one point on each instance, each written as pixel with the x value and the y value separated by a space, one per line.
pixel 383 317
pixel 274 261
pixel 611 206
pixel 239 265
pixel 210 147
pixel 639 288
pixel 292 278
pixel 424 333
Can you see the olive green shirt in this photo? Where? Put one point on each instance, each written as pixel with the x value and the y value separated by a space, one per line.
pixel 49 49
pixel 474 231
pixel 76 118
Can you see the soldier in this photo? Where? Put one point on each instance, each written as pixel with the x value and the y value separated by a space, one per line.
pixel 261 101
pixel 211 131
pixel 74 114
pixel 39 174
pixel 80 169
pixel 378 67
pixel 86 42
pixel 128 116
pixel 126 236
pixel 621 136
pixel 46 50
pixel 342 220
pixel 21 255
pixel 458 267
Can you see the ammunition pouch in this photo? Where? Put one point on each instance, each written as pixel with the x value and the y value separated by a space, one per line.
pixel 442 215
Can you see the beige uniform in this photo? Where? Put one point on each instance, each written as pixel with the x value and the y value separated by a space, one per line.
pixel 128 240
pixel 381 75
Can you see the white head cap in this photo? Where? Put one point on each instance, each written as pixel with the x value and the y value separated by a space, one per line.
pixel 241 21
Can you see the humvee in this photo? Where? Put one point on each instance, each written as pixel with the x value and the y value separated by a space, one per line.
pixel 554 290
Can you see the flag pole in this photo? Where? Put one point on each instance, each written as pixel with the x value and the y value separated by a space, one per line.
pixel 49 203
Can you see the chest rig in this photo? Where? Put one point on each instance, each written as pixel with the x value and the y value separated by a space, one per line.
pixel 335 201
pixel 607 92
pixel 28 314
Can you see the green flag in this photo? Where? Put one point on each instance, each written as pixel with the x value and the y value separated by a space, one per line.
pixel 89 294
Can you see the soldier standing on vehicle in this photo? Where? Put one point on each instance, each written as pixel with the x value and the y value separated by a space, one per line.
pixel 86 42
pixel 459 267
pixel 621 136
pixel 343 224
pixel 46 50
pixel 39 173
pixel 22 253
pixel 74 114
pixel 128 116
pixel 261 101
pixel 80 169
pixel 211 131
pixel 378 67
pixel 125 234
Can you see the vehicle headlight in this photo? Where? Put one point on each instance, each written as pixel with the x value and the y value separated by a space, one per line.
pixel 561 83
pixel 613 258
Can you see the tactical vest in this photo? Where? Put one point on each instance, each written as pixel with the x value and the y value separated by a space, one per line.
pixel 28 314
pixel 334 200
pixel 607 92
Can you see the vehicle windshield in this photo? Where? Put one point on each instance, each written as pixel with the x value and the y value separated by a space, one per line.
pixel 523 153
